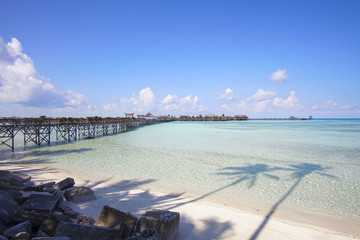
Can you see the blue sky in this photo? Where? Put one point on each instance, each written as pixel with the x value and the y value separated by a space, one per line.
pixel 260 58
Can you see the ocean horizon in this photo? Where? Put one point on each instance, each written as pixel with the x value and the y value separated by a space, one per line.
pixel 293 166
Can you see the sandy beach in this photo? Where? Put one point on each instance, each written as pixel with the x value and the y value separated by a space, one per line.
pixel 200 219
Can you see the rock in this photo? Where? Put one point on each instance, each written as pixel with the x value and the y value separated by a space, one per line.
pixel 17 196
pixel 112 218
pixel 51 238
pixel 87 232
pixel 50 224
pixel 41 203
pixel 22 236
pixel 13 178
pixel 85 219
pixel 67 210
pixel 165 224
pixel 60 195
pixel 79 194
pixel 36 219
pixel 3 228
pixel 47 185
pixel 7 207
pixel 64 184
pixel 41 233
pixel 21 227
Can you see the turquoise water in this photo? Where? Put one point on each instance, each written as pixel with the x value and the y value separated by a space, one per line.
pixel 310 166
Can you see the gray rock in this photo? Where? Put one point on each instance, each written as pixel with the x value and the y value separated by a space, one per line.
pixel 60 195
pixel 87 232
pixel 41 203
pixel 3 228
pixel 36 219
pixel 13 178
pixel 22 236
pixel 41 233
pixel 164 224
pixel 79 194
pixel 50 224
pixel 51 238
pixel 67 210
pixel 85 219
pixel 7 207
pixel 47 185
pixel 16 195
pixel 64 184
pixel 112 218
pixel 21 227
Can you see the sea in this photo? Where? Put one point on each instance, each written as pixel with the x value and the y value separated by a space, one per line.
pixel 310 166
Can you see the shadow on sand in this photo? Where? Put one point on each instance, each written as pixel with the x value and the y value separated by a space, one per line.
pixel 298 173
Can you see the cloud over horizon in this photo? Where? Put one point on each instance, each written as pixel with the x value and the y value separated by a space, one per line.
pixel 145 101
pixel 280 76
pixel 21 84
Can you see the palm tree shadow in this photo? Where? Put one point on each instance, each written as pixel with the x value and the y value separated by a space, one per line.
pixel 249 173
pixel 299 172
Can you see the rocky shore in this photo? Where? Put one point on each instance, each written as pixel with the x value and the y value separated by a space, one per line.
pixel 33 211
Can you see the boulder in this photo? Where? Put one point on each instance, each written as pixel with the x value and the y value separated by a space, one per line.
pixel 64 184
pixel 46 185
pixel 7 207
pixel 67 210
pixel 17 196
pixel 41 203
pixel 3 228
pixel 21 227
pixel 51 238
pixel 13 178
pixel 85 219
pixel 41 233
pixel 60 195
pixel 163 224
pixel 87 232
pixel 22 236
pixel 36 219
pixel 50 224
pixel 112 218
pixel 79 194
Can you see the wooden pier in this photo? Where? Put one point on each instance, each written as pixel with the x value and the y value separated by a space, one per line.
pixel 39 130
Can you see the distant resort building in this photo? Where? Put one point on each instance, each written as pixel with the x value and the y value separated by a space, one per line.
pixel 208 117
pixel 149 115
pixel 129 115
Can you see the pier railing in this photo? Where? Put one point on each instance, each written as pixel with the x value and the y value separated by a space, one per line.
pixel 39 131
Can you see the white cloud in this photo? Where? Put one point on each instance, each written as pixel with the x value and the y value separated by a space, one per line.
pixel 169 99
pixel 144 101
pixel 332 106
pixel 110 106
pixel 290 103
pixel 258 102
pixel 228 95
pixel 21 84
pixel 187 104
pixel 280 76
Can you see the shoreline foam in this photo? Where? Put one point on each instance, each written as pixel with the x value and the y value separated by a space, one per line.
pixel 200 218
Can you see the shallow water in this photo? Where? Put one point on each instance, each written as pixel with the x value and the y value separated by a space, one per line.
pixel 311 166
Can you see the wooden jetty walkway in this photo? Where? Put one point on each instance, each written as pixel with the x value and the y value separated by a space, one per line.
pixel 39 130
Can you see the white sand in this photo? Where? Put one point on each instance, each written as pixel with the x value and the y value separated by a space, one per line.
pixel 200 219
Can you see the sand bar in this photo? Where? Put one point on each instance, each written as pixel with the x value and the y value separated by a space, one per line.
pixel 200 219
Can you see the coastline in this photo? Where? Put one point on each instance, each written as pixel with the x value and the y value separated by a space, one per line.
pixel 199 217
